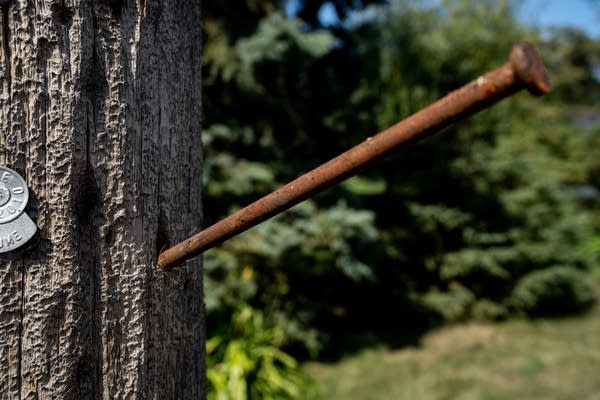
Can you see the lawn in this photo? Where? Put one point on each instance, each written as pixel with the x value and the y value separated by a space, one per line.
pixel 544 359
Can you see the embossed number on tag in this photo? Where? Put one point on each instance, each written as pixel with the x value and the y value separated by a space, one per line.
pixel 16 228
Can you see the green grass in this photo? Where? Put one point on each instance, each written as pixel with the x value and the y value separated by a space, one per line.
pixel 545 359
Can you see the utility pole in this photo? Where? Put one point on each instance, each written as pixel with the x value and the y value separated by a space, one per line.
pixel 100 115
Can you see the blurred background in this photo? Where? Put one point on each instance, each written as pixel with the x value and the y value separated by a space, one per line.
pixel 465 267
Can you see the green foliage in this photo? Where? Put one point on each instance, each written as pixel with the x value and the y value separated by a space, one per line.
pixel 261 267
pixel 249 364
pixel 554 291
pixel 469 224
pixel 459 303
pixel 592 246
pixel 260 81
pixel 452 305
pixel 491 200
pixel 577 58
pixel 272 41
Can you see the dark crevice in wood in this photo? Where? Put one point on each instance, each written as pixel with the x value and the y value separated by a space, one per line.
pixel 90 216
pixel 92 237
pixel 6 42
pixel 90 246
pixel 89 220
pixel 95 85
pixel 5 147
pixel 62 13
pixel 162 234
pixel 21 319
pixel 162 237
pixel 116 7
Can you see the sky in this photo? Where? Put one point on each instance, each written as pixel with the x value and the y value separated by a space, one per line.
pixel 584 14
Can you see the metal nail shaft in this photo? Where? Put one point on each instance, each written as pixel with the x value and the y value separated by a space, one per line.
pixel 524 70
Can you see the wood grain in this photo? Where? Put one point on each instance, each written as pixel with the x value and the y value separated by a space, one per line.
pixel 100 113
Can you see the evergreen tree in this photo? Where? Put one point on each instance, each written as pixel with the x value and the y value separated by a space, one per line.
pixel 489 218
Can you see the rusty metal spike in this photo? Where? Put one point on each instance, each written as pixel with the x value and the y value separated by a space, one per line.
pixel 524 70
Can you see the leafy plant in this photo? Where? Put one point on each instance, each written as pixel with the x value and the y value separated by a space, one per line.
pixel 247 362
pixel 554 291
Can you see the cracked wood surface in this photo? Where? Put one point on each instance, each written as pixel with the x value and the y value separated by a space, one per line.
pixel 100 113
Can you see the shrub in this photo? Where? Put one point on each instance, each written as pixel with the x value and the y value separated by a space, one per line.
pixel 247 362
pixel 452 305
pixel 554 291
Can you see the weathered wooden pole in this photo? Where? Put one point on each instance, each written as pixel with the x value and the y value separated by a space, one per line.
pixel 100 114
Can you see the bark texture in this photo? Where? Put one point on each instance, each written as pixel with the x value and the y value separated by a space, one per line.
pixel 100 113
